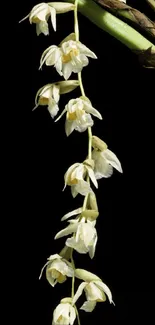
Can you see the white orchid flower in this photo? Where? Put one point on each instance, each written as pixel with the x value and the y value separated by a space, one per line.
pixel 49 95
pixel 84 237
pixel 95 291
pixel 78 115
pixel 64 314
pixel 57 269
pixel 40 14
pixel 74 177
pixel 105 160
pixel 70 56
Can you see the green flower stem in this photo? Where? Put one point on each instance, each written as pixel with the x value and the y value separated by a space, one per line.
pixel 77 314
pixel 76 25
pixel 151 3
pixel 90 143
pixel 114 26
pixel 76 30
pixel 73 278
pixel 81 84
pixel 73 282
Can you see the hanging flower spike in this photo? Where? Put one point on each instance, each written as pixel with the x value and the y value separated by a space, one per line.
pixel 70 56
pixel 49 95
pixel 64 314
pixel 40 14
pixel 74 177
pixel 84 239
pixel 95 290
pixel 57 269
pixel 105 160
pixel 78 115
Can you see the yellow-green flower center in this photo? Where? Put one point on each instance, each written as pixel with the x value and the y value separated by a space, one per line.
pixel 68 57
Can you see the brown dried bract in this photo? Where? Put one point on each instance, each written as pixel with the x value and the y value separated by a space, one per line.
pixel 147 58
pixel 138 18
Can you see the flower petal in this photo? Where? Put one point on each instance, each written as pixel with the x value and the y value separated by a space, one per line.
pixel 74 191
pixel 53 108
pixel 61 309
pixel 68 38
pixel 69 127
pixel 72 213
pixel 69 171
pixel 53 257
pixel 53 17
pixel 90 109
pixel 93 293
pixel 79 245
pixel 91 175
pixel 59 117
pixel 78 172
pixel 58 64
pixel 85 50
pixel 67 70
pixel 72 314
pixel 82 187
pixel 79 292
pixel 88 306
pixel 102 167
pixel 105 288
pixel 92 248
pixel 66 231
pixel 112 159
pixel 46 54
pixel 56 93
pixel 84 122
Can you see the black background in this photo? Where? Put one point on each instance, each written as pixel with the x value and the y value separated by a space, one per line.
pixel 123 92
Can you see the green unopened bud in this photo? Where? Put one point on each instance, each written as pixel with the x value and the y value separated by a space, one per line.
pixel 90 214
pixel 61 7
pixel 86 276
pixel 98 144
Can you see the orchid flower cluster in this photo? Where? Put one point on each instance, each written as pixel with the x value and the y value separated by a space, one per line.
pixel 70 56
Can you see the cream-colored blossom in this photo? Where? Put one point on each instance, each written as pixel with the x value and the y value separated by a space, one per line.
pixel 95 291
pixel 105 160
pixel 70 56
pixel 84 237
pixel 40 14
pixel 49 95
pixel 75 176
pixel 57 269
pixel 78 115
pixel 64 314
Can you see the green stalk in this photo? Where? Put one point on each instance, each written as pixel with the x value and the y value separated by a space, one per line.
pixel 114 26
pixel 151 3
pixel 131 15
